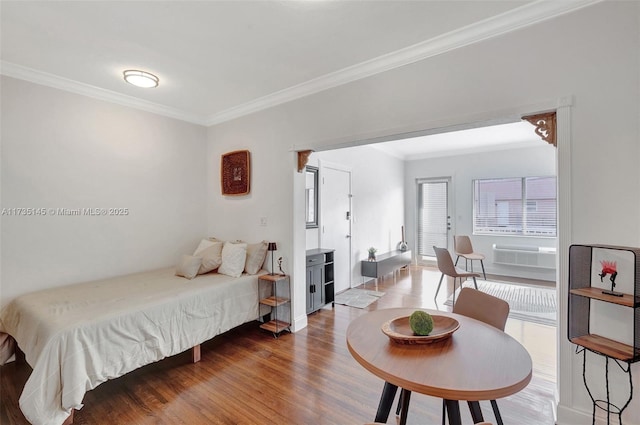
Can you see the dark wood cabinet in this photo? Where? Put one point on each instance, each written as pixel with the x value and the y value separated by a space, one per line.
pixel 320 279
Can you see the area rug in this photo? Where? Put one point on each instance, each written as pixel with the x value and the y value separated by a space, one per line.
pixel 359 298
pixel 530 303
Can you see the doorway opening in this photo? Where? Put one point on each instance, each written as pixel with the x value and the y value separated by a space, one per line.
pixel 390 183
pixel 561 168
pixel 433 215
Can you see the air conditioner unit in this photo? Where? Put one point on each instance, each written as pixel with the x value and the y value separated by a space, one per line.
pixel 525 256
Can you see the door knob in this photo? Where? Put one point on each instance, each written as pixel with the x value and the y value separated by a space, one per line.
pixel 348 236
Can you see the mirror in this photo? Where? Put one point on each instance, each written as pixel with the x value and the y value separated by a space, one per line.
pixel 311 197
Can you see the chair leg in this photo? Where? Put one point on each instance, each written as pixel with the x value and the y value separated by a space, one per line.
pixel 483 273
pixel 496 412
pixel 444 412
pixel 457 258
pixel 474 282
pixel 439 283
pixel 454 290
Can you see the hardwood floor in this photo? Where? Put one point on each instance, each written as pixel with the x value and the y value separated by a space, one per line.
pixel 248 377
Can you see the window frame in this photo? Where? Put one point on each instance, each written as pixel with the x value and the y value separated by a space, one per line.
pixel 523 228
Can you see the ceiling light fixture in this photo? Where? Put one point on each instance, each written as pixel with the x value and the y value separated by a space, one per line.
pixel 140 78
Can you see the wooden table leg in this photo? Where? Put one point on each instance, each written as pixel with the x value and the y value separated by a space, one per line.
pixel 386 401
pixel 453 412
pixel 476 412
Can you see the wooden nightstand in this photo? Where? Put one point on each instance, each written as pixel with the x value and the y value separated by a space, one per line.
pixel 280 299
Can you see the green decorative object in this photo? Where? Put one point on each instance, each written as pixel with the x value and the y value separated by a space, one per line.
pixel 421 322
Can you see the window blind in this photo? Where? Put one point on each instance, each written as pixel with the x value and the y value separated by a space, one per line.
pixel 432 216
pixel 515 206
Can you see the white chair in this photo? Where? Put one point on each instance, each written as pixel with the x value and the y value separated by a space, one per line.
pixel 463 248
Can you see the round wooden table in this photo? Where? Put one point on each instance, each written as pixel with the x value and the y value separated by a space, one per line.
pixel 478 362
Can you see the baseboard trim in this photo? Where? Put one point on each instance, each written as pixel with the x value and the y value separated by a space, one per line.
pixel 569 416
pixel 299 322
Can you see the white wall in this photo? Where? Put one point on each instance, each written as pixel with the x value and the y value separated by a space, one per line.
pixel 53 140
pixel 591 55
pixel 378 200
pixel 463 169
pixel 61 150
pixel 269 198
pixel 380 194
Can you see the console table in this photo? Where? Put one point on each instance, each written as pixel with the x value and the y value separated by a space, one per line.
pixel 385 263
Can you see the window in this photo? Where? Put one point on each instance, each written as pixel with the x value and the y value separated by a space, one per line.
pixel 516 206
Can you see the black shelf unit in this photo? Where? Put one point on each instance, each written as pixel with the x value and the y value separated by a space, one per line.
pixel 582 295
pixel 587 288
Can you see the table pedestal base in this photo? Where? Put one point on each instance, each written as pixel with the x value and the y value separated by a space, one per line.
pixel 451 407
pixel 386 401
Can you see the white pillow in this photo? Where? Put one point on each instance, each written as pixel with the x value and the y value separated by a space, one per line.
pixel 211 258
pixel 188 266
pixel 204 244
pixel 256 253
pixel 234 256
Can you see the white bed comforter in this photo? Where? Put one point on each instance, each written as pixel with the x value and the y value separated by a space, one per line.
pixel 76 337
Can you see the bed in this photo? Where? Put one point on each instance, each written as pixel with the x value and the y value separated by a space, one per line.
pixel 76 337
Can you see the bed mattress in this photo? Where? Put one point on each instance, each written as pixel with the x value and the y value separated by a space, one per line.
pixel 75 337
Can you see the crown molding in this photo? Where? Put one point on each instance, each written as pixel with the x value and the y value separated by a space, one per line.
pixel 521 17
pixel 43 78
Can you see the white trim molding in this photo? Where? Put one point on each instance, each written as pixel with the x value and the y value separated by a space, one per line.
pixel 50 80
pixel 515 19
pixel 566 356
pixel 520 17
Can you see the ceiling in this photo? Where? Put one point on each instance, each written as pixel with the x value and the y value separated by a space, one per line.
pixel 218 60
pixel 515 135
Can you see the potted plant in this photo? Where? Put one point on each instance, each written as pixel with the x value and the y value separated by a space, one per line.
pixel 372 254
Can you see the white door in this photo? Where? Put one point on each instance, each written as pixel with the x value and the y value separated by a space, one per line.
pixel 434 220
pixel 335 220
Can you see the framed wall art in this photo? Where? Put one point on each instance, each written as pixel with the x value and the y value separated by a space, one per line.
pixel 235 173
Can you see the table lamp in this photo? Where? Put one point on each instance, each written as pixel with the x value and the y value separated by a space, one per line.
pixel 272 247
